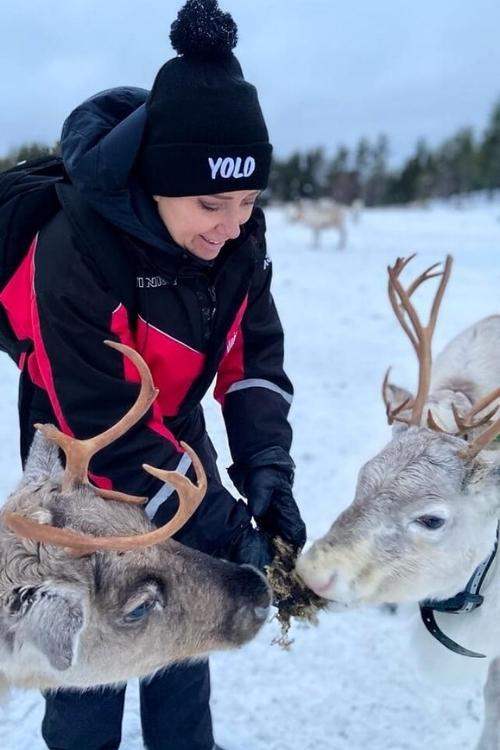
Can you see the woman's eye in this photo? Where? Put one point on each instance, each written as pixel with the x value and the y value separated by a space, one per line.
pixel 208 207
pixel 431 522
pixel 140 611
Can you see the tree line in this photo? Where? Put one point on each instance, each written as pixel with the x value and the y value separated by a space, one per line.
pixel 26 152
pixel 460 164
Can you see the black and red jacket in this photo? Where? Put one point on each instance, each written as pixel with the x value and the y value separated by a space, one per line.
pixel 192 322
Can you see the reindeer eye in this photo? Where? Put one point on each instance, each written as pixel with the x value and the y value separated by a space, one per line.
pixel 140 611
pixel 431 522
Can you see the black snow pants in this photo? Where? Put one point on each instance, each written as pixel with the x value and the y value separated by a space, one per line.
pixel 175 711
pixel 175 714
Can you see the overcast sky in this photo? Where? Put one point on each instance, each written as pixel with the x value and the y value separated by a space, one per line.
pixel 328 71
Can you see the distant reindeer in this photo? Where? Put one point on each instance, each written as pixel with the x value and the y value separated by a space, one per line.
pixel 423 526
pixel 90 592
pixel 319 216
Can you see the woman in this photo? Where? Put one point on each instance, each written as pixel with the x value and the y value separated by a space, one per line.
pixel 164 184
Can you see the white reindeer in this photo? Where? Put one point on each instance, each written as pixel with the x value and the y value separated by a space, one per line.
pixel 424 522
pixel 319 216
pixel 79 608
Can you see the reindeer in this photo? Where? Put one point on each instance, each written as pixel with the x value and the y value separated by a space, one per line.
pixel 423 526
pixel 319 216
pixel 90 593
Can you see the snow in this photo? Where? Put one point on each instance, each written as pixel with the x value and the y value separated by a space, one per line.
pixel 350 682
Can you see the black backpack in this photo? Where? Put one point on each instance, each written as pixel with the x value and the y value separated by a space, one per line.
pixel 31 194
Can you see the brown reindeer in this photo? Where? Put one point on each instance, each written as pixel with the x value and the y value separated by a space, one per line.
pixel 90 592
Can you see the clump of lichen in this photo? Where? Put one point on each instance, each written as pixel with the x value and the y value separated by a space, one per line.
pixel 291 596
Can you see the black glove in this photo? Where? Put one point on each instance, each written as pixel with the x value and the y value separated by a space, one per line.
pixel 251 548
pixel 269 493
pixel 225 530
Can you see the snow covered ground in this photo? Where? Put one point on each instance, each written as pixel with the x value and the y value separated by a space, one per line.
pixel 349 683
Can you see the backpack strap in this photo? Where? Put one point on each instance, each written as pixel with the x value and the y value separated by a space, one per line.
pixel 116 261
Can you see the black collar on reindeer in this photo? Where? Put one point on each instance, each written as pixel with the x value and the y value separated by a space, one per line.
pixel 465 601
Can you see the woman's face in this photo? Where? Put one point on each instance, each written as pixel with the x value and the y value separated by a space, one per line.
pixel 203 223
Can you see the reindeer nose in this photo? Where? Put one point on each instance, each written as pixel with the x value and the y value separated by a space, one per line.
pixel 319 579
pixel 260 590
pixel 261 613
pixel 263 601
pixel 251 602
pixel 320 586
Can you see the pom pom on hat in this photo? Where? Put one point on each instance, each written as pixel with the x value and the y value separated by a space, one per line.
pixel 203 31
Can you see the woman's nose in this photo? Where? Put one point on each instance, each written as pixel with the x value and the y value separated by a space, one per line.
pixel 231 228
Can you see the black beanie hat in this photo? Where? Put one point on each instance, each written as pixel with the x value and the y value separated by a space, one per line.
pixel 205 132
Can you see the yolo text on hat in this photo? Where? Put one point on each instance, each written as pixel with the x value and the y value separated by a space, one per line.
pixel 229 167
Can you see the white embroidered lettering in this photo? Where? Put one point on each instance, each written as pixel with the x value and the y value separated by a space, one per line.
pixel 150 282
pixel 227 167
pixel 214 166
pixel 230 342
pixel 237 167
pixel 249 166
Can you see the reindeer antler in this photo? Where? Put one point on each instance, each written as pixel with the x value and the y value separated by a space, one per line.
pixel 190 496
pixel 79 452
pixel 492 431
pixel 78 455
pixel 393 414
pixel 421 338
pixel 419 335
pixel 466 423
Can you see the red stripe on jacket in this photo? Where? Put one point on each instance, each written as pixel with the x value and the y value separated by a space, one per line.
pixel 231 368
pixel 14 298
pixel 42 359
pixel 174 365
pixel 120 327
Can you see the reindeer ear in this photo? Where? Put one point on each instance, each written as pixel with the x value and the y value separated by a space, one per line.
pixel 396 395
pixel 51 619
pixel 43 461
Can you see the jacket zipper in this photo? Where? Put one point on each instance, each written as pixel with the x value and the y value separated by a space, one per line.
pixel 208 305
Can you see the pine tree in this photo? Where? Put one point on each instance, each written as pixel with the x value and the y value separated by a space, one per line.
pixel 375 181
pixel 489 152
pixel 342 183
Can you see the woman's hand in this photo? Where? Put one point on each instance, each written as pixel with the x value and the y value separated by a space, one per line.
pixel 270 499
